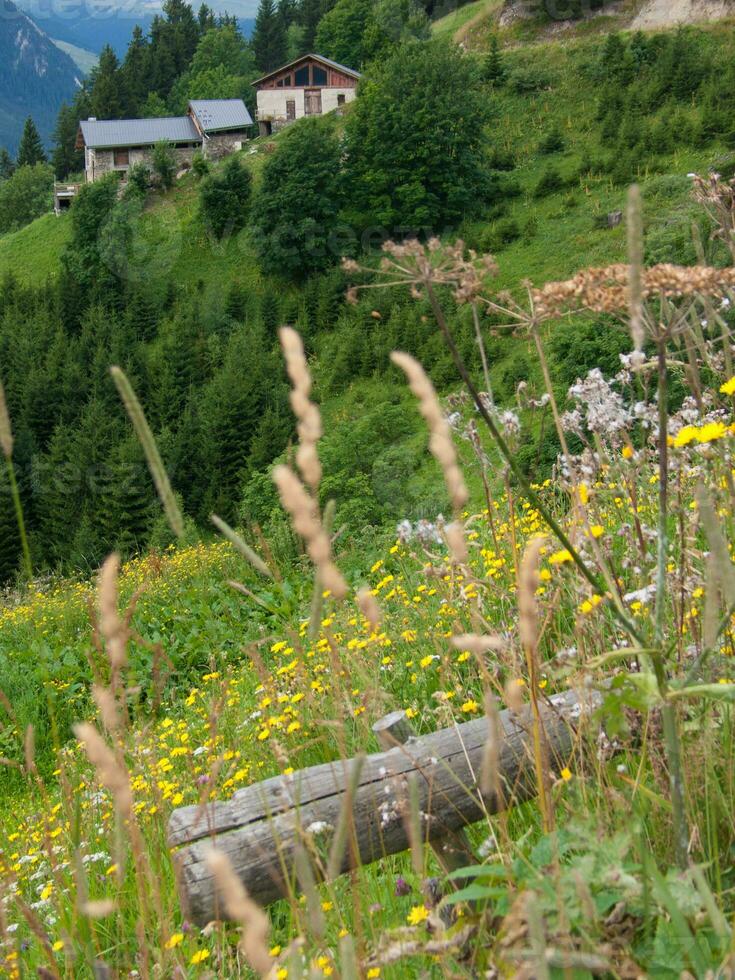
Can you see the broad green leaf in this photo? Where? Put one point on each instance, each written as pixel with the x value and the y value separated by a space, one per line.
pixel 711 692
pixel 480 871
pixel 474 893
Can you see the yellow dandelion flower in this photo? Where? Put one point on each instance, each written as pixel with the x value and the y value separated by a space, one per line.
pixel 417 915
pixel 685 436
pixel 566 774
pixel 559 557
pixel 729 387
pixel 173 941
pixel 470 707
pixel 199 957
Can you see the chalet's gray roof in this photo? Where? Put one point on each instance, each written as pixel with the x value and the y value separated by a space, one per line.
pixel 214 115
pixel 314 57
pixel 108 133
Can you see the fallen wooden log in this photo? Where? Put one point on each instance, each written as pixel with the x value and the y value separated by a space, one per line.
pixel 266 829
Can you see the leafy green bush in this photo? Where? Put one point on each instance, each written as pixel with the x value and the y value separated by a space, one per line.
pixel 25 196
pixel 526 81
pixel 164 164
pixel 415 142
pixel 139 178
pixel 200 165
pixel 552 142
pixel 224 197
pixel 296 213
pixel 550 182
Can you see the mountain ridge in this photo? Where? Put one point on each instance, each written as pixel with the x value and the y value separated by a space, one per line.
pixel 35 76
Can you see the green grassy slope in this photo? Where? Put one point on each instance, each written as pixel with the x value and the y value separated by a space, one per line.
pixel 33 253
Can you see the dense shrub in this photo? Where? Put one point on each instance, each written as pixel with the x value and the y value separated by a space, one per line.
pixel 526 81
pixel 550 182
pixel 414 141
pixel 224 197
pixel 200 165
pixel 552 142
pixel 164 164
pixel 296 213
pixel 25 195
pixel 139 178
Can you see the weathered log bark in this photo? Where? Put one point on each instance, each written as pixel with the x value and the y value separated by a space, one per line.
pixel 262 827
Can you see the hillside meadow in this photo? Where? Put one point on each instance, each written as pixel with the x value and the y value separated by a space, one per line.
pixel 544 507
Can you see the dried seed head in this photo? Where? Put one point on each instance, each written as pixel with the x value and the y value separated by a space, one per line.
pixel 309 420
pixel 241 908
pixel 527 585
pixel 29 748
pixel 107 707
pixel 307 523
pixel 478 644
pixel 456 543
pixel 440 435
pixel 98 909
pixel 369 607
pixel 513 694
pixel 111 626
pixel 109 771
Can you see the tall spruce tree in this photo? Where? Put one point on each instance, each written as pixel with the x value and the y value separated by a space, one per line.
pixel 108 98
pixel 135 73
pixel 7 167
pixel 310 13
pixel 30 151
pixel 66 159
pixel 269 37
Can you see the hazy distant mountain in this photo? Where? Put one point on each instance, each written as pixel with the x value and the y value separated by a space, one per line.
pixel 93 26
pixel 35 76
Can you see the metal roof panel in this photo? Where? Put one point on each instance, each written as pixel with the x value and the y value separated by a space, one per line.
pixel 109 133
pixel 215 115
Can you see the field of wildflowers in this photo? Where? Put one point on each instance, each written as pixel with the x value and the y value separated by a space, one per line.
pixel 189 675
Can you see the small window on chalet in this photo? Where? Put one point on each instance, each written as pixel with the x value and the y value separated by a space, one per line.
pixel 319 76
pixel 302 76
pixel 284 82
pixel 122 158
pixel 341 98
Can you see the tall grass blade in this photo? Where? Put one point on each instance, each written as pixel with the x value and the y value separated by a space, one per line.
pixel 152 455
pixel 242 546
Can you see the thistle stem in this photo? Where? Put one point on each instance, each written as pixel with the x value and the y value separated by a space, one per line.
pixel 668 710
pixel 505 452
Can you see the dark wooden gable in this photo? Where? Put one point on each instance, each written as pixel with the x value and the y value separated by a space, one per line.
pixel 308 73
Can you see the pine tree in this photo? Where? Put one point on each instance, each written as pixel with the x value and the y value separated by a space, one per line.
pixel 310 13
pixel 135 73
pixel 269 37
pixel 108 98
pixel 66 159
pixel 7 167
pixel 10 548
pixel 494 68
pixel 130 501
pixel 31 149
pixel 206 19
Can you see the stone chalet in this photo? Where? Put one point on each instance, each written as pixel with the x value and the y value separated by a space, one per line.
pixel 214 126
pixel 309 86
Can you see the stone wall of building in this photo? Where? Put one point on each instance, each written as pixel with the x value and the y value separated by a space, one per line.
pixel 219 145
pixel 101 162
pixel 272 107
